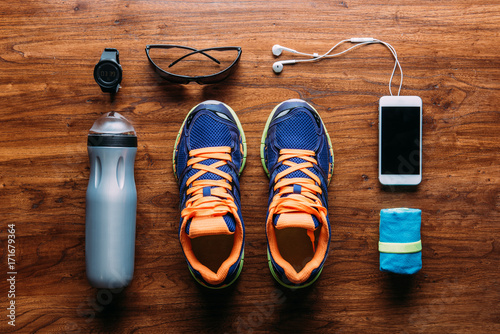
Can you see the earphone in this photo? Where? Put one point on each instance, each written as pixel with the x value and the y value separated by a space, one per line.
pixel 278 49
pixel 278 66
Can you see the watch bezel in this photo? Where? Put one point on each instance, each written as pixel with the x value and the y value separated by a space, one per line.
pixel 105 84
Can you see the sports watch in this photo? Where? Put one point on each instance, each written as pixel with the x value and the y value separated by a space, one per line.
pixel 108 71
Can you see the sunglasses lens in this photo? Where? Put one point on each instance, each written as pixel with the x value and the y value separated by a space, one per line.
pixel 218 77
pixel 173 78
pixel 179 61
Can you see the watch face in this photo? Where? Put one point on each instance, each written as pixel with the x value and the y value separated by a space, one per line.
pixel 107 73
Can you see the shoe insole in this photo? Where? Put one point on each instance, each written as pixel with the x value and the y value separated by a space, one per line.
pixel 212 250
pixel 295 246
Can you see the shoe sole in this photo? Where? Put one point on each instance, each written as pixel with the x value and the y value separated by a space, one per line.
pixel 263 161
pixel 244 149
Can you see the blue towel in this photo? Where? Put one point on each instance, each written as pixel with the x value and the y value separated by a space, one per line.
pixel 400 246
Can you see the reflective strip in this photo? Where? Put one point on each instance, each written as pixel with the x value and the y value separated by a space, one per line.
pixel 399 247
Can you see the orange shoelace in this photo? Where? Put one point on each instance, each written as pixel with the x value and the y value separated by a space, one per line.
pixel 307 200
pixel 219 202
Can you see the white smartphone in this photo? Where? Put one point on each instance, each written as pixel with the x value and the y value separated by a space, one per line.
pixel 400 140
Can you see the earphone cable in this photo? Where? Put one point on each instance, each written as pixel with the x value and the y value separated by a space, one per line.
pixel 360 42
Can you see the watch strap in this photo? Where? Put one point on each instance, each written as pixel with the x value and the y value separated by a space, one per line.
pixel 110 54
pixel 110 89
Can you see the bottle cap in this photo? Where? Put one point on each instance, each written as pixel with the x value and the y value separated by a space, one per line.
pixel 112 123
pixel 112 130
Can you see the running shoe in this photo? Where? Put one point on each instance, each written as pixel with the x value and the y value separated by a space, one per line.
pixel 297 155
pixel 209 155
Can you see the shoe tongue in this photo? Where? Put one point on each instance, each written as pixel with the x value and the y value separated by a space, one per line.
pixel 210 225
pixel 295 219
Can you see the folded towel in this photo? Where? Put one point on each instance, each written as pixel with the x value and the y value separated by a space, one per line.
pixel 400 246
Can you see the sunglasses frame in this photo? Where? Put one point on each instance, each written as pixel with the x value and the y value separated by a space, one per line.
pixel 185 79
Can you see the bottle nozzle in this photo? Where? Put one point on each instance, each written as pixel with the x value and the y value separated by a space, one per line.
pixel 112 123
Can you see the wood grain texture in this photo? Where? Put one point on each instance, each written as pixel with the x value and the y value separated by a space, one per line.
pixel 450 56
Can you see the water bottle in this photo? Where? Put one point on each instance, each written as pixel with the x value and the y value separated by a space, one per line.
pixel 111 202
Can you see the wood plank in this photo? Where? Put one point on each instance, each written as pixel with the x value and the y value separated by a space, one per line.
pixel 449 54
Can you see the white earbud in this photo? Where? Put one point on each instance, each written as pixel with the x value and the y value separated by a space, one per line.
pixel 278 66
pixel 278 49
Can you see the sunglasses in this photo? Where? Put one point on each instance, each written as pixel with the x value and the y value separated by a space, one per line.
pixel 173 54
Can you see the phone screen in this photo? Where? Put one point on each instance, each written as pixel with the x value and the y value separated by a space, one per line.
pixel 400 142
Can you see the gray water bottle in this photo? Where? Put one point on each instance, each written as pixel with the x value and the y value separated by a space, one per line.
pixel 111 202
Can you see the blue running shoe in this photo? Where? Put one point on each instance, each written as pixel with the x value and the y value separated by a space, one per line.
pixel 297 155
pixel 209 155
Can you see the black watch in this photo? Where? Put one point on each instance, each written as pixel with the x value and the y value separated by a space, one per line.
pixel 108 71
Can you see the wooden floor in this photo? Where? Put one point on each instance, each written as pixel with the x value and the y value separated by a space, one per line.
pixel 449 51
